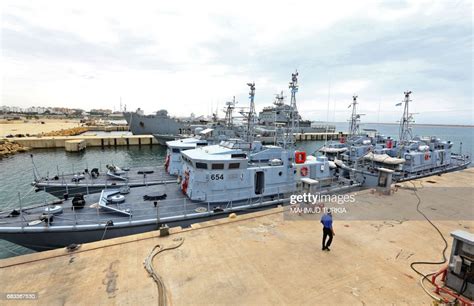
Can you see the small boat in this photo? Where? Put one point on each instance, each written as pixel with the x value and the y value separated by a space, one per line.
pixel 115 173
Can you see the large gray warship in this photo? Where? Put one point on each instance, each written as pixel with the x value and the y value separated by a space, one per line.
pixel 160 123
pixel 276 115
pixel 165 127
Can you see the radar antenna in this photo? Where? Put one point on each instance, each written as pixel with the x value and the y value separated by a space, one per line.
pixel 279 99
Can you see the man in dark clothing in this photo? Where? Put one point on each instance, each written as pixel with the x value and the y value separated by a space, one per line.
pixel 328 231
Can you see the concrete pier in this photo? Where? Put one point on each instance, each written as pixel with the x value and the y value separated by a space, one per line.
pixel 261 258
pixel 90 141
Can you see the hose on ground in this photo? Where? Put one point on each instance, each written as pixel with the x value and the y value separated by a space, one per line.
pixel 414 263
pixel 148 263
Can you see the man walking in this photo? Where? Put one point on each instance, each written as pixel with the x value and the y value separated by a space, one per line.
pixel 328 231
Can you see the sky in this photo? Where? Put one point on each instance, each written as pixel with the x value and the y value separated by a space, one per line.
pixel 193 56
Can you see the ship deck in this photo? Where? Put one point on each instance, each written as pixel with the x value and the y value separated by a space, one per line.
pixel 136 177
pixel 171 205
pixel 263 258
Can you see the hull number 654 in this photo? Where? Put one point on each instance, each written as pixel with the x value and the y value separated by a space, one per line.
pixel 217 177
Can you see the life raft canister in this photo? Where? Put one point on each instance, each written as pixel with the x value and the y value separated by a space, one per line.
pixel 184 184
pixel 304 171
pixel 389 144
pixel 300 157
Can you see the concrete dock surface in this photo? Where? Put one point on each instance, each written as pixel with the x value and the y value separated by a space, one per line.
pixel 264 258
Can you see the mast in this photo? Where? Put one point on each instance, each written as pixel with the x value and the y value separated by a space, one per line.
pixel 281 127
pixel 293 85
pixel 251 114
pixel 355 118
pixel 229 121
pixel 405 123
pixel 293 115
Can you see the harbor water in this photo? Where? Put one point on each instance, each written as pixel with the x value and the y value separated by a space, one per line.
pixel 17 171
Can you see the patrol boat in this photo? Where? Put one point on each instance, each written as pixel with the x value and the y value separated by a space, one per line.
pixel 238 175
pixel 358 143
pixel 409 157
pixel 203 137
pixel 232 177
pixel 236 170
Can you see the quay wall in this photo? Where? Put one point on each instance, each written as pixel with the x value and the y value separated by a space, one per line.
pixel 90 141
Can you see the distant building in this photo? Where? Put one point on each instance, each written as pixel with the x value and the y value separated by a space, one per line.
pixel 100 112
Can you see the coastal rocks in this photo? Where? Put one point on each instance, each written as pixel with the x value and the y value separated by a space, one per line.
pixel 67 132
pixel 9 148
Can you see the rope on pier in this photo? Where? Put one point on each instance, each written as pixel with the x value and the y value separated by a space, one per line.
pixel 148 263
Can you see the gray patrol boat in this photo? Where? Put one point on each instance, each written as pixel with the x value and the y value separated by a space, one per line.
pixel 410 157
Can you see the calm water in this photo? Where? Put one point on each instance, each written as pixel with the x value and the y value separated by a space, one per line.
pixel 16 172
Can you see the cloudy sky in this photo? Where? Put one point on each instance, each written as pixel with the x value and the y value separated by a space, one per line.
pixel 194 56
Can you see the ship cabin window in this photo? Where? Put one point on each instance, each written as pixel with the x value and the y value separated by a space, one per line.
pixel 217 166
pixel 199 144
pixel 234 165
pixel 201 165
pixel 238 155
pixel 175 150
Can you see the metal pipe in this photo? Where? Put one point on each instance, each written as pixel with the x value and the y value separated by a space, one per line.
pixel 75 216
pixel 184 202
pixel 21 212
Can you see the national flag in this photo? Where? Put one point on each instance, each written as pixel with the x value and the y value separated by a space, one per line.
pixel 398 104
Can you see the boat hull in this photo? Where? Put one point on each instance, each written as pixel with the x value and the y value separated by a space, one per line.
pixel 53 239
pixel 154 124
